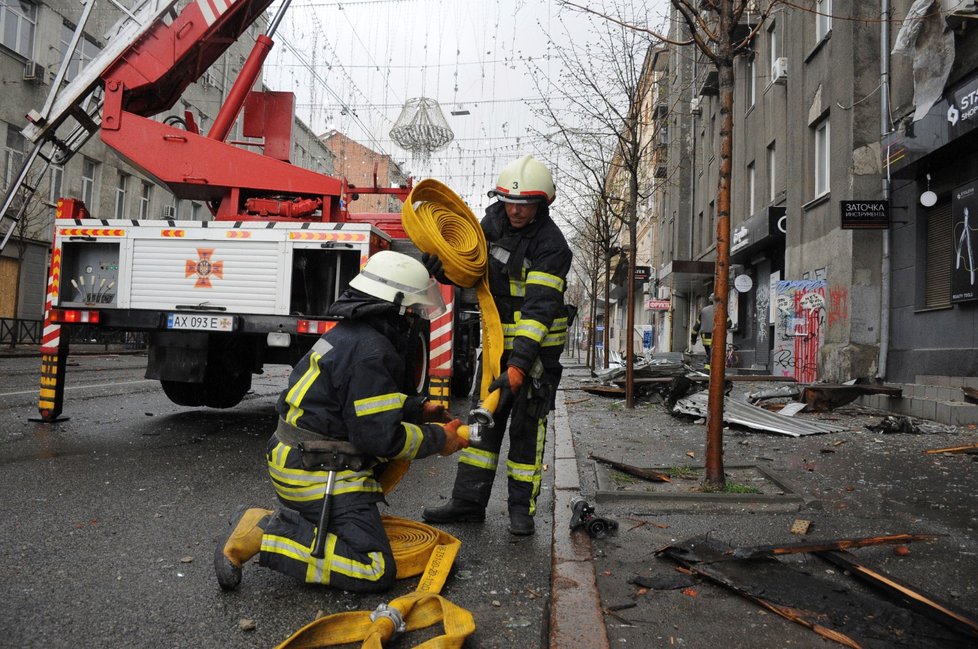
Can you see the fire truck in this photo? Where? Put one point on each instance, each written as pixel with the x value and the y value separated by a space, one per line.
pixel 216 299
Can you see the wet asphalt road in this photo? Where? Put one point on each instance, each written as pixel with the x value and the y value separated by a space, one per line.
pixel 111 519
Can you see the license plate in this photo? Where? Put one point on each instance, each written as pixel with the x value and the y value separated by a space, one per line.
pixel 199 322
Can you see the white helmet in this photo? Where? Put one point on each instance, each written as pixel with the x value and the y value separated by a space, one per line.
pixel 526 180
pixel 403 281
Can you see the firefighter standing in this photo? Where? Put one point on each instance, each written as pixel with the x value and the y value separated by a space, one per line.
pixel 704 327
pixel 345 412
pixel 528 264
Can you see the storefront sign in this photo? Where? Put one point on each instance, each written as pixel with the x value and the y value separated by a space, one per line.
pixel 658 305
pixel 868 215
pixel 964 243
pixel 641 273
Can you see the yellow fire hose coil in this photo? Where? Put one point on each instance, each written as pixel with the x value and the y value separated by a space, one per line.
pixel 418 549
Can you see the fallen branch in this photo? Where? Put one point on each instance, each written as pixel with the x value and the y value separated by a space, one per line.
pixel 638 472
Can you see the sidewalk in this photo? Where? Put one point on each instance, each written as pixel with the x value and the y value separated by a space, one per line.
pixel 855 483
pixel 30 351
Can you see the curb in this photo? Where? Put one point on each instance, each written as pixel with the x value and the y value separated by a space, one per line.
pixel 576 620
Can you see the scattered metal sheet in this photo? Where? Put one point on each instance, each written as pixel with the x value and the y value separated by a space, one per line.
pixel 783 392
pixel 904 424
pixel 755 417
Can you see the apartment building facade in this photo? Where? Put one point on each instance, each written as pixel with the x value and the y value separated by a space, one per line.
pixel 362 166
pixel 828 280
pixel 34 35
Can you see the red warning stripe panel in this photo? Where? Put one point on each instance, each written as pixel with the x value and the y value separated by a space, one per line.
pixel 92 232
pixel 172 233
pixel 238 234
pixel 328 236
pixel 442 332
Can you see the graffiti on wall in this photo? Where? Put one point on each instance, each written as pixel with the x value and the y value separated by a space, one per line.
pixel 761 313
pixel 799 326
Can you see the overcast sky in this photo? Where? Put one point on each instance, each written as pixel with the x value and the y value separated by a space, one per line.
pixel 354 64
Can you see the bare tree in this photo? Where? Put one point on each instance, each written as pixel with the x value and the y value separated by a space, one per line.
pixel 594 112
pixel 720 33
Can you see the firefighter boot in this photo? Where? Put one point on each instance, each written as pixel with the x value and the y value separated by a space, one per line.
pixel 241 544
pixel 455 511
pixel 520 523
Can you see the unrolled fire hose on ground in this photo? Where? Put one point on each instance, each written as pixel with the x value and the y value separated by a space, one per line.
pixel 439 223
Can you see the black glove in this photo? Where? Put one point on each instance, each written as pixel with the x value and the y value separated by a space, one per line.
pixel 434 266
pixel 692 339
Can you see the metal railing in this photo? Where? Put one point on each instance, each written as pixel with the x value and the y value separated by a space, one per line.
pixel 17 331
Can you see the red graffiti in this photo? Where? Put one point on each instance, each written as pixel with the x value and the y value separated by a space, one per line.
pixel 838 305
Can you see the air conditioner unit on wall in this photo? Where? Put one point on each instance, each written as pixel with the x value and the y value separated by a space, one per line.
pixel 695 107
pixel 169 212
pixel 779 71
pixel 33 71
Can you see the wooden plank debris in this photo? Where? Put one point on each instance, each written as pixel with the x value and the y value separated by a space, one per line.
pixel 967 448
pixel 828 396
pixel 919 600
pixel 758 551
pixel 638 472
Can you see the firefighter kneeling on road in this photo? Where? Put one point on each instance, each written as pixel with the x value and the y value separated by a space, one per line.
pixel 343 416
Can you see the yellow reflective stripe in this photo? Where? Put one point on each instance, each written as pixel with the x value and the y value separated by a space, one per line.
pixel 521 472
pixel 545 279
pixel 541 442
pixel 412 441
pixel 559 323
pixel 356 569
pixel 380 403
pixel 298 391
pixel 517 288
pixel 284 546
pixel 554 339
pixel 479 458
pixel 508 344
pixel 532 329
pixel 510 329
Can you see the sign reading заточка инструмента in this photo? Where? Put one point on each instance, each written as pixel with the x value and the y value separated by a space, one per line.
pixel 865 214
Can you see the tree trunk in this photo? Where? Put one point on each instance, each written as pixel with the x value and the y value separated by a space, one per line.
pixel 714 422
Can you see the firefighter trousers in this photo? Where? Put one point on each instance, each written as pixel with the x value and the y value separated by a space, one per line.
pixel 527 417
pixel 358 554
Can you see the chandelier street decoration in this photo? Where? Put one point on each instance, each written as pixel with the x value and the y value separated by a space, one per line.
pixel 421 127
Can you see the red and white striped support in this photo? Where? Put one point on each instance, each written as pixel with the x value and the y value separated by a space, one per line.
pixel 442 333
pixel 54 351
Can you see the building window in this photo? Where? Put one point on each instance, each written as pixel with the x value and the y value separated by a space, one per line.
pixel 13 155
pixel 85 51
pixel 751 86
pixel 822 157
pixel 823 19
pixel 772 172
pixel 120 195
pixel 55 182
pixel 195 212
pixel 940 257
pixel 146 193
pixel 772 48
pixel 751 186
pixel 89 181
pixel 18 19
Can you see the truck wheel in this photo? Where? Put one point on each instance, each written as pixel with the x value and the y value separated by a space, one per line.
pixel 183 393
pixel 225 391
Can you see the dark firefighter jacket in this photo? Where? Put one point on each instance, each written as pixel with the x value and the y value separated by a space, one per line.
pixel 350 387
pixel 527 274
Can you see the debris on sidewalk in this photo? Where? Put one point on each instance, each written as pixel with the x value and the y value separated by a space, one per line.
pixel 819 397
pixel 638 472
pixel 745 414
pixel 967 448
pixel 800 527
pixel 583 516
pixel 843 615
pixel 970 394
pixel 904 424
pixel 758 551
pixel 670 581
pixel 783 392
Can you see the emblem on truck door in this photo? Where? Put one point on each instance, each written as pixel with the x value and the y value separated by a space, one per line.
pixel 204 268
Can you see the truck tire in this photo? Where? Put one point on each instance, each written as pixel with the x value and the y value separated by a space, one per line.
pixel 183 393
pixel 225 391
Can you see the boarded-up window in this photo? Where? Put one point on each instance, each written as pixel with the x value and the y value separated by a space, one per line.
pixel 8 279
pixel 937 274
